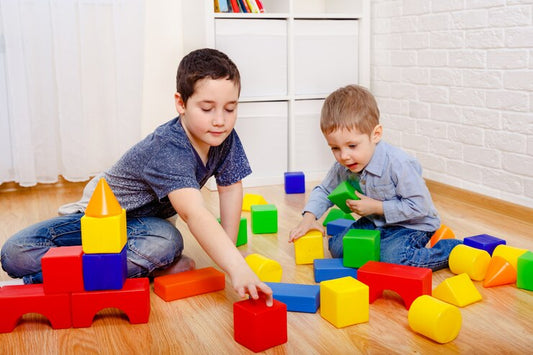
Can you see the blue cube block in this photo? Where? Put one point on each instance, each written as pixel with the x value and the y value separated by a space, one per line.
pixel 297 297
pixel 105 271
pixel 328 269
pixel 294 182
pixel 339 225
pixel 484 242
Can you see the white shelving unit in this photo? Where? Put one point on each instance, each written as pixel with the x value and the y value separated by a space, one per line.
pixel 290 58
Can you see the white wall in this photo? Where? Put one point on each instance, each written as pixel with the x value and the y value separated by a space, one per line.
pixel 454 81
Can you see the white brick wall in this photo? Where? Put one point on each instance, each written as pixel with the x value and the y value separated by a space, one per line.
pixel 454 81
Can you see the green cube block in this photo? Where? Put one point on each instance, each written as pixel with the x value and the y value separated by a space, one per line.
pixel 264 219
pixel 524 270
pixel 242 236
pixel 334 214
pixel 360 246
pixel 344 191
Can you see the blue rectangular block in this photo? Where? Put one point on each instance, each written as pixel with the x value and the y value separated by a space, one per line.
pixel 337 226
pixel 294 182
pixel 297 297
pixel 328 269
pixel 105 271
pixel 484 242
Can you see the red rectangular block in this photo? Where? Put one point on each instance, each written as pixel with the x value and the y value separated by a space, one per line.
pixel 189 283
pixel 62 269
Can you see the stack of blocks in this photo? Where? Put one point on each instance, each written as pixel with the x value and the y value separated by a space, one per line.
pixel 79 281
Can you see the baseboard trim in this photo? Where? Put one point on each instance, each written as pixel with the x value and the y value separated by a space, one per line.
pixel 482 201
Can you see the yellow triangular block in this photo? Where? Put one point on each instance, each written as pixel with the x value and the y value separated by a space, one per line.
pixel 457 290
pixel 499 272
pixel 103 202
pixel 252 199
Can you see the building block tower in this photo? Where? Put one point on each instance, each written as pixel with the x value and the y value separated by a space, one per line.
pixel 77 283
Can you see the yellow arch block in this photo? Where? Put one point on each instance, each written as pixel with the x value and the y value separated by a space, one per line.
pixel 104 235
pixel 266 269
pixel 474 262
pixel 435 319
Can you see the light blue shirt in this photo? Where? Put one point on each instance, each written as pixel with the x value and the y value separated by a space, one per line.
pixel 391 176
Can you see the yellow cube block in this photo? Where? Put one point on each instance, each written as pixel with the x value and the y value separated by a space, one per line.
pixel 266 269
pixel 104 235
pixel 252 199
pixel 308 248
pixel 344 301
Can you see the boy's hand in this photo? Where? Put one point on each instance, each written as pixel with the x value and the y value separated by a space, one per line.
pixel 245 281
pixel 307 223
pixel 365 206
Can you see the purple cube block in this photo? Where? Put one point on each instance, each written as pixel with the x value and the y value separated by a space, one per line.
pixel 484 242
pixel 294 182
pixel 105 271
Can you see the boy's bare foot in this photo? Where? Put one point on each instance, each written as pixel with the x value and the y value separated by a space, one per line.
pixel 183 263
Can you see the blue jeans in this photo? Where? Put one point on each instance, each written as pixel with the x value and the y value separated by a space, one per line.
pixel 153 243
pixel 401 245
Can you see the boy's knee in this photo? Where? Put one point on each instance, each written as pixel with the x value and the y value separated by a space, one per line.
pixel 17 260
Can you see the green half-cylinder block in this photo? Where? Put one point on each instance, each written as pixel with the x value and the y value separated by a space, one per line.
pixel 344 191
pixel 242 236
pixel 524 277
pixel 264 219
pixel 334 214
pixel 360 246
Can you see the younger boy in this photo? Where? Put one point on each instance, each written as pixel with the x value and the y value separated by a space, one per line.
pixel 395 199
pixel 161 176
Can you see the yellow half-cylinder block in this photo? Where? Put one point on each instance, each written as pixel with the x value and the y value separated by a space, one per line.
pixel 435 319
pixel 266 269
pixel 344 301
pixel 511 254
pixel 474 262
pixel 252 199
pixel 458 290
pixel 103 235
pixel 309 247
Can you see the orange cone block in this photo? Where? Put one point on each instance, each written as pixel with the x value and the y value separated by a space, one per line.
pixel 499 272
pixel 444 232
pixel 103 202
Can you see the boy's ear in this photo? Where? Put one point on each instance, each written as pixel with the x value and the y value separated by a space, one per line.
pixel 377 133
pixel 180 105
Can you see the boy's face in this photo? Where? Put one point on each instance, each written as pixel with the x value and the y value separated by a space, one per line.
pixel 352 148
pixel 210 113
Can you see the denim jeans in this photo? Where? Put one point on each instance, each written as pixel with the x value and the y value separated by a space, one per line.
pixel 153 243
pixel 401 245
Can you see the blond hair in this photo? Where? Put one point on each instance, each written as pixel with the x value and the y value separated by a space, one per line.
pixel 349 107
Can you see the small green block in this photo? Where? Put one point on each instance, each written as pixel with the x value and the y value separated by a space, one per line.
pixel 360 246
pixel 334 214
pixel 524 276
pixel 344 191
pixel 264 219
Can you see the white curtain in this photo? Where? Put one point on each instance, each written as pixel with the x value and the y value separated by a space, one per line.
pixel 71 75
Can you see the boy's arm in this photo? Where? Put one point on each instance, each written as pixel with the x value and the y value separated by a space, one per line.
pixel 230 208
pixel 189 204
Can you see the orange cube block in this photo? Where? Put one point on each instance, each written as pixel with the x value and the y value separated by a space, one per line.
pixel 189 283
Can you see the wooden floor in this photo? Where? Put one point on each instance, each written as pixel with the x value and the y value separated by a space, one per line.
pixel 501 323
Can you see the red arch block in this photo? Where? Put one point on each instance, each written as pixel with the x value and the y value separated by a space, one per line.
pixel 409 282
pixel 133 299
pixel 16 301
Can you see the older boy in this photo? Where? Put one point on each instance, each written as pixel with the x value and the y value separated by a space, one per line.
pixel 161 176
pixel 395 198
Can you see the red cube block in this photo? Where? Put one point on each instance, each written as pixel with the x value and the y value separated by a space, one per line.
pixel 259 327
pixel 62 270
